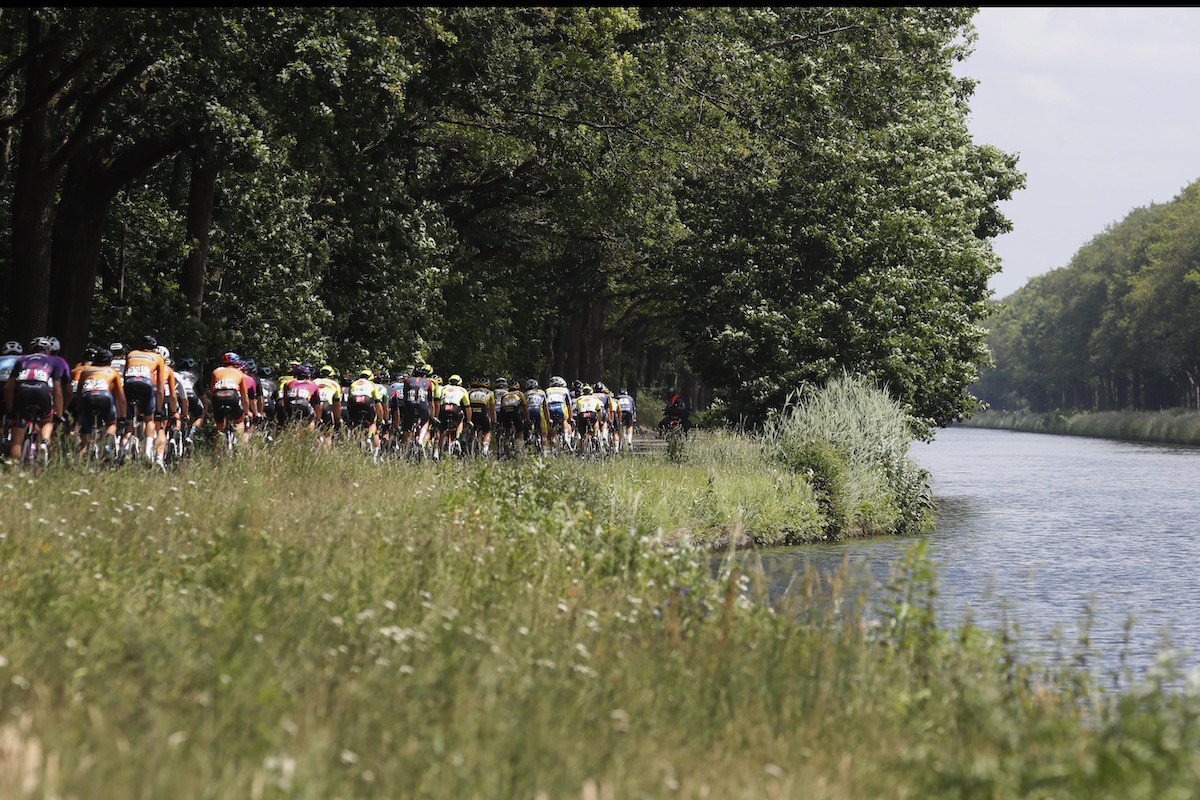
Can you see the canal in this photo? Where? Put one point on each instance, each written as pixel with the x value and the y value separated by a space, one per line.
pixel 1039 533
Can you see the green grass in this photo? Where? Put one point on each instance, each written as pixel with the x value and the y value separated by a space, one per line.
pixel 1171 426
pixel 305 624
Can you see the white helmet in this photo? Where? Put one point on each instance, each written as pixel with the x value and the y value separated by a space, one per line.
pixel 557 381
pixel 165 353
pixel 12 348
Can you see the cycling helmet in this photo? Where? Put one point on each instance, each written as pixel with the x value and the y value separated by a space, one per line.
pixel 421 372
pixel 39 345
pixel 187 363
pixel 558 382
pixel 436 378
pixel 623 390
pixel 118 349
pixel 530 385
pixel 249 366
pixel 585 389
pixel 231 360
pixel 455 380
pixel 55 346
pixel 367 374
pixel 327 371
pixel 12 349
pixel 148 343
pixel 165 353
pixel 301 371
pixel 101 356
pixel 577 384
pixel 672 392
pixel 265 371
pixel 500 383
pixel 399 377
pixel 600 387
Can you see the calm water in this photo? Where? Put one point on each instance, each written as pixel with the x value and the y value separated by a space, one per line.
pixel 1039 529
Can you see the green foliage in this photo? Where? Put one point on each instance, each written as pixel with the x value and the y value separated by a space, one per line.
pixel 745 198
pixel 1114 329
pixel 852 438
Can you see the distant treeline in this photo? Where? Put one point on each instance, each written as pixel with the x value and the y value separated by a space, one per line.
pixel 1117 328
pixel 750 199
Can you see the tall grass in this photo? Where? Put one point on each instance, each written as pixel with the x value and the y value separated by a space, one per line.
pixel 297 624
pixel 852 441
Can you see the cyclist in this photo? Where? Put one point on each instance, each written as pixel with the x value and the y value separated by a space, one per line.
pixel 535 404
pixel 367 401
pixel 627 409
pixel 175 401
pixel 68 386
pixel 101 395
pixel 268 391
pixel 587 412
pixel 419 409
pixel 483 411
pixel 254 414
pixel 395 391
pixel 513 413
pixel 197 408
pixel 8 359
pixel 675 410
pixel 119 352
pixel 558 405
pixel 605 425
pixel 34 386
pixel 144 389
pixel 301 398
pixel 454 412
pixel 331 401
pixel 230 396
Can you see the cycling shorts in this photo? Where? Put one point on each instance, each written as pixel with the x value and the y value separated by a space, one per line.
pixel 361 414
pixel 227 406
pixel 480 419
pixel 99 405
pixel 555 412
pixel 627 419
pixel 31 400
pixel 511 418
pixel 141 400
pixel 415 414
pixel 196 407
pixel 297 409
pixel 450 417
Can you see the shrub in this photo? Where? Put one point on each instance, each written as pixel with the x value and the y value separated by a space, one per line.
pixel 852 439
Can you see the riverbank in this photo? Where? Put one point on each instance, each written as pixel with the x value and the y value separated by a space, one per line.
pixel 1172 426
pixel 299 623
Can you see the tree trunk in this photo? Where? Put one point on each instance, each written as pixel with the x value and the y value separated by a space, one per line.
pixel 33 200
pixel 199 224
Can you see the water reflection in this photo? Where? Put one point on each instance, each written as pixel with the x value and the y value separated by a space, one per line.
pixel 1041 532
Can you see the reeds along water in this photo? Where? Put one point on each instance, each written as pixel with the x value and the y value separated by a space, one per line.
pixel 1170 426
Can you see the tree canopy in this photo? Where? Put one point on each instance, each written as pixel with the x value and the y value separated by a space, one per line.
pixel 742 199
pixel 1116 328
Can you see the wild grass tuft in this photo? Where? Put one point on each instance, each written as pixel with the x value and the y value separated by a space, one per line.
pixel 851 439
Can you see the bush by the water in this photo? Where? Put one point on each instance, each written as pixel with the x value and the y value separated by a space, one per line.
pixel 852 440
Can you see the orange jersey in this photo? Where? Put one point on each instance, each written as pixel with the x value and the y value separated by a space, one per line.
pixel 98 380
pixel 225 378
pixel 145 366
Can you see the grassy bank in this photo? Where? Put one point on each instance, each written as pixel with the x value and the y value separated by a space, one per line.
pixel 309 625
pixel 1172 426
pixel 304 624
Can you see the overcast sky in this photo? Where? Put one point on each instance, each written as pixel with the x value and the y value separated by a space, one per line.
pixel 1102 106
